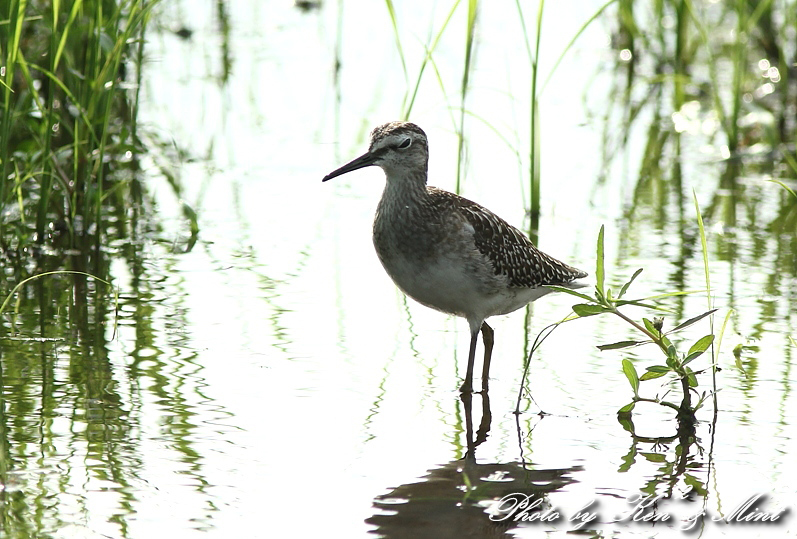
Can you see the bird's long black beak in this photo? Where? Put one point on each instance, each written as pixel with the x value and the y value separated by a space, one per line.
pixel 365 160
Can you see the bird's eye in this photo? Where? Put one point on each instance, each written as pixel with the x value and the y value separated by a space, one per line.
pixel 405 144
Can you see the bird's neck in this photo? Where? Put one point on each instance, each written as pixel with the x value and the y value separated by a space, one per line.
pixel 403 219
pixel 404 188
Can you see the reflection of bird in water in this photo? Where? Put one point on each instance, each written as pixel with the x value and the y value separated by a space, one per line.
pixel 460 500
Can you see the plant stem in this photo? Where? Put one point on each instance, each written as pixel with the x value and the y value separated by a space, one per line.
pixel 656 339
pixel 686 403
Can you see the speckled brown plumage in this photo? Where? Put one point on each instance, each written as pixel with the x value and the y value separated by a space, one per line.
pixel 448 252
pixel 510 252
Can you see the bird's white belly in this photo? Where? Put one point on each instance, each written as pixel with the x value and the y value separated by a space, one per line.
pixel 453 288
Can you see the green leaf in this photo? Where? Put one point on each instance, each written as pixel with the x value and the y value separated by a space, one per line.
pixel 639 303
pixel 652 375
pixel 626 409
pixel 698 348
pixel 690 357
pixel 618 345
pixel 630 373
pixel 583 309
pixel 599 275
pixel 691 378
pixel 672 362
pixel 700 401
pixel 691 321
pixel 702 344
pixel 626 285
pixel 649 326
pixel 659 368
pixel 566 290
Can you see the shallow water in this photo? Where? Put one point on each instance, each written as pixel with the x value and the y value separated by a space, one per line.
pixel 272 382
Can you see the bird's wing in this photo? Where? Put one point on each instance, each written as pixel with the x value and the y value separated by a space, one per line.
pixel 510 252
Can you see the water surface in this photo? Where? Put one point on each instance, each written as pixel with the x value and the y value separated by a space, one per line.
pixel 273 382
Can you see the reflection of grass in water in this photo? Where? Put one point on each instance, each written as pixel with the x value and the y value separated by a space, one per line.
pixel 70 153
pixel 732 74
pixel 730 90
pixel 21 284
pixel 71 198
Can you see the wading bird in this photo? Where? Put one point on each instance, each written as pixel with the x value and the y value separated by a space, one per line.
pixel 447 252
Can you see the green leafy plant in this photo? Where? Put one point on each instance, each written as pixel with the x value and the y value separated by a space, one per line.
pixel 675 363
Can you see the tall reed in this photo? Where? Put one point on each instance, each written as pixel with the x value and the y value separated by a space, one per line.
pixel 68 114
pixel 534 123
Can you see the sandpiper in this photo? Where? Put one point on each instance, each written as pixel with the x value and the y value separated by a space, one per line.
pixel 447 252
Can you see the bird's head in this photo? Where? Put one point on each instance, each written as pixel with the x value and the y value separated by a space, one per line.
pixel 397 148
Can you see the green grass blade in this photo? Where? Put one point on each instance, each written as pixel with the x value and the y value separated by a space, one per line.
pixel 536 134
pixel 672 294
pixel 791 160
pixel 722 332
pixel 463 90
pixel 394 23
pixel 599 275
pixel 573 41
pixel 511 146
pixel 430 50
pixel 703 246
pixel 786 187
pixel 65 34
pixel 534 121
pixel 525 31
pixel 83 113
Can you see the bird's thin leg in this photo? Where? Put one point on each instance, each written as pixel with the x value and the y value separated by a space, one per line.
pixel 487 339
pixel 467 385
